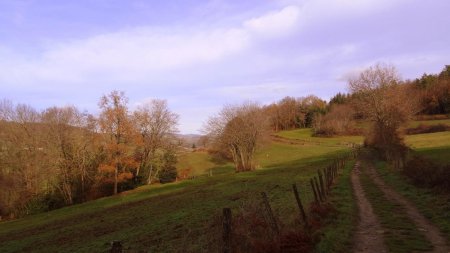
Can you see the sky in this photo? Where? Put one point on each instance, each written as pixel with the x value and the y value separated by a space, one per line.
pixel 202 55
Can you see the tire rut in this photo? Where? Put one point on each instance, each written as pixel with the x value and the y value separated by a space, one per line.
pixel 368 236
pixel 431 232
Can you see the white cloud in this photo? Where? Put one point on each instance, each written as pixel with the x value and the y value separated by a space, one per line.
pixel 263 92
pixel 325 11
pixel 301 47
pixel 140 54
pixel 135 54
pixel 274 23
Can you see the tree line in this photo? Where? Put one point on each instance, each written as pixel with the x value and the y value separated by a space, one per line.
pixel 61 156
pixel 377 95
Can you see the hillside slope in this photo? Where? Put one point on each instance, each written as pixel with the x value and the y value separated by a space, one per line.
pixel 180 217
pixel 172 217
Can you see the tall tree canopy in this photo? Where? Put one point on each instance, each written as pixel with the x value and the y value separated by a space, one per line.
pixel 239 130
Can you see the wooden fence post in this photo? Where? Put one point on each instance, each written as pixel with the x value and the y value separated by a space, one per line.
pixel 314 191
pixel 331 175
pixel 318 190
pixel 300 205
pixel 271 217
pixel 226 236
pixel 321 184
pixel 330 179
pixel 116 247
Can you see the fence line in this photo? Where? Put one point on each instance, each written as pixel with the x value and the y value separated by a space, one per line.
pixel 321 187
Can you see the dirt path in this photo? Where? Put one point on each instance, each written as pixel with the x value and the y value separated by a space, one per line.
pixel 431 232
pixel 369 234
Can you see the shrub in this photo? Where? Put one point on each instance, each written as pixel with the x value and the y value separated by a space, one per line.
pixel 425 173
pixel 422 129
pixel 339 121
pixel 431 117
pixel 168 174
pixel 42 203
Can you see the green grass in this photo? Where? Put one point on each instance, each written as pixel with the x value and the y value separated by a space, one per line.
pixel 305 135
pixel 433 206
pixel 400 234
pixel 435 146
pixel 200 163
pixel 283 154
pixel 270 156
pixel 179 217
pixel 431 140
pixel 173 217
pixel 337 236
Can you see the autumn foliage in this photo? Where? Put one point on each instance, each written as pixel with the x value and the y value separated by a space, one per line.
pixel 61 156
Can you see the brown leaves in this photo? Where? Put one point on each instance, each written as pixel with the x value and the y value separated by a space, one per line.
pixel 239 130
pixel 384 101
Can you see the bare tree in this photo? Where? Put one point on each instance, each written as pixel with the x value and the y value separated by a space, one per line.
pixel 23 169
pixel 338 121
pixel 290 114
pixel 285 114
pixel 239 130
pixel 71 144
pixel 157 127
pixel 386 103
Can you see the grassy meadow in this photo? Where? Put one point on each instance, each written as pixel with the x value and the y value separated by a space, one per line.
pixel 180 216
pixel 435 146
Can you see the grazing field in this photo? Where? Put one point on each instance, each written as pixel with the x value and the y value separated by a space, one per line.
pixel 180 216
pixel 305 135
pixel 435 146
pixel 199 163
pixel 174 217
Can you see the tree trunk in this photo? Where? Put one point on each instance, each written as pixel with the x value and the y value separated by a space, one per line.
pixel 82 187
pixel 149 180
pixel 116 175
pixel 137 170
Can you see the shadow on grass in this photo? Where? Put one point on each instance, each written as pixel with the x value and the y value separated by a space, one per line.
pixel 437 154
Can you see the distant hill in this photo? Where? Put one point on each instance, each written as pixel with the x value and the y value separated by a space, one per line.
pixel 189 139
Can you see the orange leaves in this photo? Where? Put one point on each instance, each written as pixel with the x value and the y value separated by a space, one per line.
pixel 106 168
pixel 124 176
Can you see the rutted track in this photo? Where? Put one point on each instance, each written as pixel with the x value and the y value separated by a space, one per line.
pixel 432 233
pixel 368 236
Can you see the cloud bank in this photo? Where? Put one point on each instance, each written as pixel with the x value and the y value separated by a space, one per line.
pixel 285 47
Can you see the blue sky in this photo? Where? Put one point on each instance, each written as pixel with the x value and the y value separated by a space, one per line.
pixel 201 55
